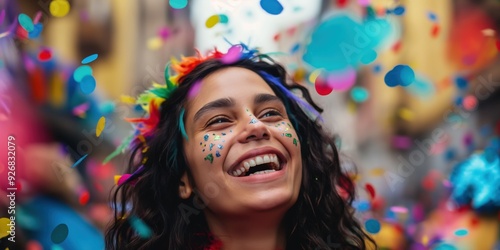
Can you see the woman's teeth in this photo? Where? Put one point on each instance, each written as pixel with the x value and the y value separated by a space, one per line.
pixel 271 159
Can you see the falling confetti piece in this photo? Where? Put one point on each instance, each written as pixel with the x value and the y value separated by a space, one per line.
pixel 398 209
pixel 100 126
pixel 140 227
pixel 272 7
pixel 122 179
pixel 81 109
pixel 406 114
pixel 401 75
pixel 398 11
pixel 342 81
pixel 369 57
pixel 396 47
pixel 432 16
pixel 37 30
pixel 154 43
pixel 470 102
pixel 87 85
pixel 82 71
pixel 26 22
pixel 59 233
pixel 372 226
pixel 444 246
pixel 314 75
pixel 461 232
pixel 212 21
pixel 79 161
pixel 377 171
pixel 89 59
pixel 401 142
pixel 370 189
pixel 4 227
pixel 362 206
pixel 341 3
pixel 116 178
pixel 435 30
pixel 84 198
pixel 232 55
pixel 295 48
pixel 359 94
pixel 178 4
pixel 59 8
pixel 44 55
pixel 127 99
pixel 322 87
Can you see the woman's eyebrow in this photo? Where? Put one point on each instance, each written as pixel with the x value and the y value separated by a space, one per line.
pixel 263 98
pixel 219 103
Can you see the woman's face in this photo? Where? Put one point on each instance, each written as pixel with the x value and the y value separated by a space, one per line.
pixel 242 151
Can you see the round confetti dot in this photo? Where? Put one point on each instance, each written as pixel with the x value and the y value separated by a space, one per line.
pixel 4 227
pixel 87 84
pixel 398 11
pixel 59 8
pixel 445 246
pixel 272 7
pixel 295 48
pixel 100 126
pixel 312 77
pixel 322 87
pixel 37 30
pixel 362 206
pixel 369 57
pixel 178 4
pixel 59 233
pixel 359 94
pixel 400 210
pixel 469 102
pixel 223 18
pixel 81 72
pixel 461 83
pixel 432 16
pixel 372 226
pixel 26 22
pixel 461 232
pixel 212 21
pixel 44 55
pixel 89 59
pixel 154 43
pixel 401 75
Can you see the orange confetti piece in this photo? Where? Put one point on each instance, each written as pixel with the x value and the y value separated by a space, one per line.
pixel 370 189
pixel 396 47
pixel 377 172
pixel 116 178
pixel 276 37
pixel 435 30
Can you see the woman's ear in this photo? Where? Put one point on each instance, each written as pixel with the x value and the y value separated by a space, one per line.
pixel 185 187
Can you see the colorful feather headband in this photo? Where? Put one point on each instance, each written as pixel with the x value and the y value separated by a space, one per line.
pixel 152 98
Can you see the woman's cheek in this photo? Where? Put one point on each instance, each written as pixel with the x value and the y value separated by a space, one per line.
pixel 286 130
pixel 212 145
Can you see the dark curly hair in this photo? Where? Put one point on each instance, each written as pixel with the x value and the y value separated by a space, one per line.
pixel 321 218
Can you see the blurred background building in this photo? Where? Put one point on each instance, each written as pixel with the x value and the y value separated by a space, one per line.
pixel 410 87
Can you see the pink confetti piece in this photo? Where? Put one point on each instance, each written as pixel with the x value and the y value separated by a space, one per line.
pixel 232 55
pixel 399 209
pixel 81 109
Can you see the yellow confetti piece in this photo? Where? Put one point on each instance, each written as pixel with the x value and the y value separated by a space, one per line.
pixel 212 21
pixel 59 8
pixel 314 75
pixel 100 126
pixel 127 99
pixel 116 178
pixel 4 227
pixel 154 43
pixel 57 90
pixel 425 240
pixel 406 114
pixel 377 172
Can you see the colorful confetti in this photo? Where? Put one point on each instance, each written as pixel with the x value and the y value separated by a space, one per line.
pixel 469 102
pixel 233 54
pixel 44 55
pixel 272 7
pixel 79 161
pixel 343 80
pixel 140 227
pixel 100 126
pixel 372 226
pixel 400 75
pixel 81 72
pixel 26 22
pixel 87 84
pixel 59 8
pixel 178 4
pixel 370 189
pixel 322 87
pixel 4 227
pixel 435 30
pixel 59 233
pixel 89 59
pixel 215 19
pixel 359 94
pixel 461 232
pixel 84 198
pixel 399 10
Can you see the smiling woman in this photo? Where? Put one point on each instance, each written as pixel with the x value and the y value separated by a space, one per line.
pixel 227 157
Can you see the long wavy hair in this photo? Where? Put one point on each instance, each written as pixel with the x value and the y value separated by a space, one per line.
pixel 321 218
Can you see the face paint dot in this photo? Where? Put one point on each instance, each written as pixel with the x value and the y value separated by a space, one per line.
pixel 201 143
pixel 230 131
pixel 220 146
pixel 217 154
pixel 253 121
pixel 209 157
pixel 288 135
pixel 217 137
pixel 203 150
pixel 211 146
pixel 223 134
pixel 294 141
pixel 205 137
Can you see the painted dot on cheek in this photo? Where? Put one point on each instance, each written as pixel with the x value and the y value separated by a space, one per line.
pixel 217 137
pixel 253 121
pixel 294 141
pixel 205 137
pixel 288 135
pixel 220 146
pixel 211 146
pixel 217 154
pixel 209 157
pixel 223 134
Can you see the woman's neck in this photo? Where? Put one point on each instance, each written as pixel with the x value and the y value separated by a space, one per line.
pixel 260 231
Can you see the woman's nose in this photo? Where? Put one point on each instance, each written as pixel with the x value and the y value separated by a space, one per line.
pixel 254 130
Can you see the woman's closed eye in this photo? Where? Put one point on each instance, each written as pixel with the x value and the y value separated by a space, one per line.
pixel 217 120
pixel 271 113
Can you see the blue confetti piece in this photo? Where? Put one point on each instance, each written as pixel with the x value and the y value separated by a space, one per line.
pixel 401 75
pixel 140 227
pixel 445 246
pixel 79 161
pixel 223 18
pixel 359 94
pixel 377 68
pixel 26 22
pixel 459 100
pixel 59 234
pixel 295 48
pixel 432 16
pixel 362 206
pixel 87 84
pixel 178 4
pixel 461 83
pixel 461 232
pixel 81 72
pixel 372 226
pixel 368 57
pixel 37 30
pixel 89 59
pixel 398 11
pixel 272 7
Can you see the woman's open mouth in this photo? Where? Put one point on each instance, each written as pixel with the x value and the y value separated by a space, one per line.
pixel 261 164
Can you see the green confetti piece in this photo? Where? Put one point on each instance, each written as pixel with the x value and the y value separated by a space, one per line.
pixel 295 141
pixel 288 135
pixel 119 150
pixel 209 157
